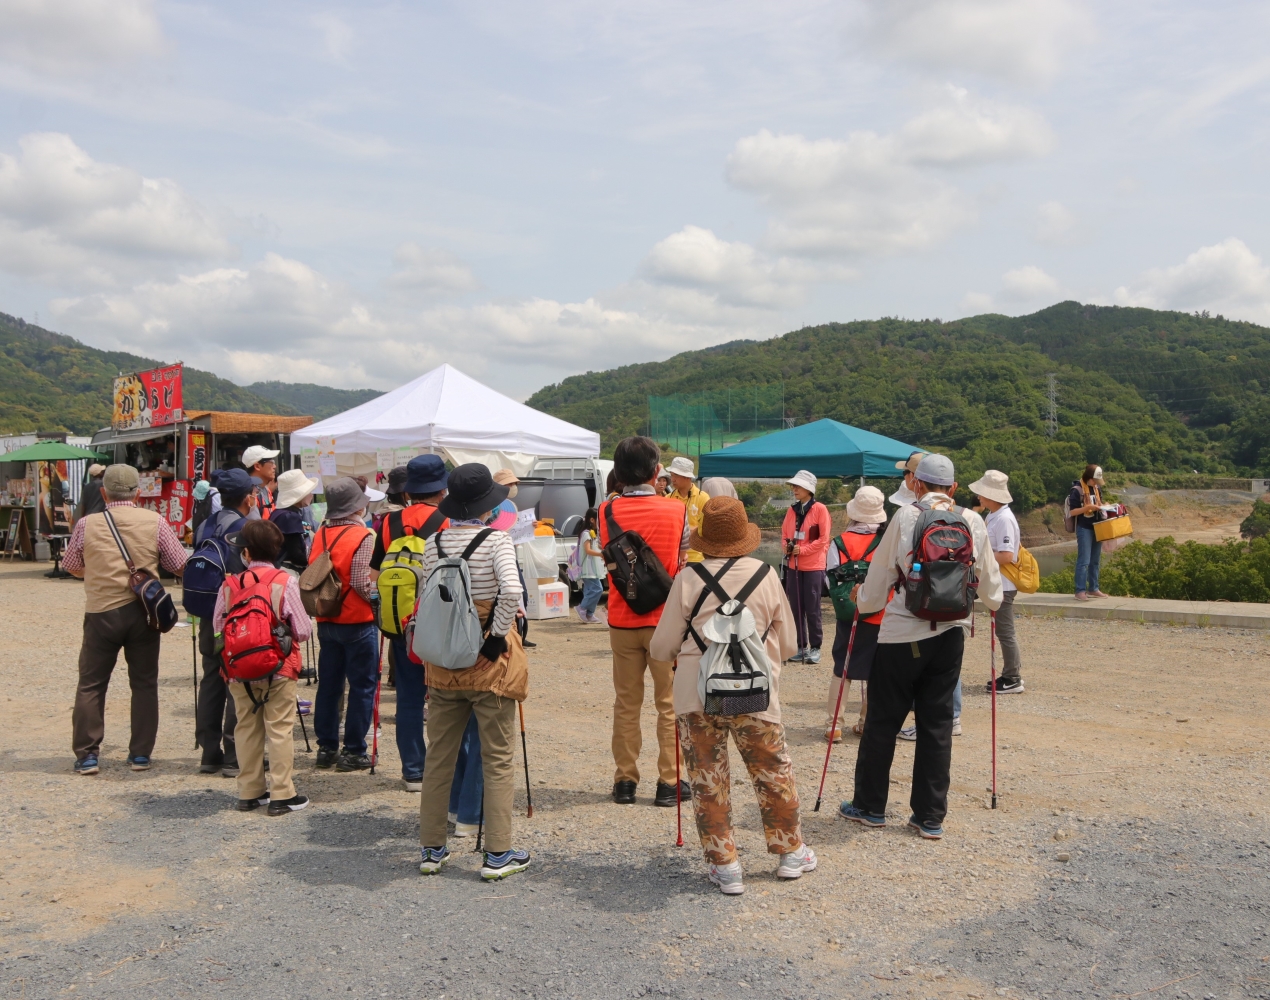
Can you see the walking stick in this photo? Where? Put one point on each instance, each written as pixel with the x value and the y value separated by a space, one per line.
pixel 524 754
pixel 679 814
pixel 993 676
pixel 379 674
pixel 480 824
pixel 194 623
pixel 837 706
pixel 304 729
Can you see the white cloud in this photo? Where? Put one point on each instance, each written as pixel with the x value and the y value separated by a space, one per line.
pixel 1018 40
pixel 976 302
pixel 1056 225
pixel 962 134
pixel 76 36
pixel 433 272
pixel 337 36
pixel 736 274
pixel 67 217
pixel 1226 277
pixel 1028 282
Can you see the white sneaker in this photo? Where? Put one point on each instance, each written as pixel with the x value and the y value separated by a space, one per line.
pixel 451 818
pixel 465 829
pixel 908 733
pixel 582 616
pixel 727 878
pixel 957 726
pixel 793 865
pixel 412 786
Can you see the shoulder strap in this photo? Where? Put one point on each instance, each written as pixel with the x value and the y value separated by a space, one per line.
pixel 841 545
pixel 711 586
pixel 396 527
pixel 877 540
pixel 755 580
pixel 123 549
pixel 614 528
pixel 431 525
pixel 475 543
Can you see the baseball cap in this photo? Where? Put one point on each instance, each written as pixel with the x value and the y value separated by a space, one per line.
pixel 120 479
pixel 258 453
pixel 936 470
pixel 910 464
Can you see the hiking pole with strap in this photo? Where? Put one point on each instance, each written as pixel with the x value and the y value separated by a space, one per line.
pixel 993 675
pixel 524 754
pixel 379 675
pixel 194 625
pixel 836 708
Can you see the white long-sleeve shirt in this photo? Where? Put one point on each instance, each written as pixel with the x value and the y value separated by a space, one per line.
pixel 895 555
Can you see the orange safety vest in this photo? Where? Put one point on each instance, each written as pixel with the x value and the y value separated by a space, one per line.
pixel 661 524
pixel 355 610
pixel 856 543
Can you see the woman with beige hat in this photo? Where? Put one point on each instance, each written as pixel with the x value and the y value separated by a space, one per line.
pixel 295 492
pixel 725 540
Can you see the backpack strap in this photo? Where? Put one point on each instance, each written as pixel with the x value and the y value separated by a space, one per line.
pixel 840 543
pixel 395 528
pixel 711 586
pixel 755 580
pixel 431 525
pixel 610 521
pixel 475 543
pixel 877 540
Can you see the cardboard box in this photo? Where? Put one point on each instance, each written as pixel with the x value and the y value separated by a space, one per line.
pixel 1113 527
pixel 547 600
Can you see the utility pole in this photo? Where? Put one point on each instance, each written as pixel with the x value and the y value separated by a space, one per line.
pixel 1051 419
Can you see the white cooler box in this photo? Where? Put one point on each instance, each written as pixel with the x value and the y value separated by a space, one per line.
pixel 547 600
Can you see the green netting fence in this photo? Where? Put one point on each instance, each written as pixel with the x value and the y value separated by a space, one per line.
pixel 698 422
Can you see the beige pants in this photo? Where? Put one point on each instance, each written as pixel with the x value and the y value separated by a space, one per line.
pixel 630 661
pixel 448 712
pixel 831 700
pixel 275 723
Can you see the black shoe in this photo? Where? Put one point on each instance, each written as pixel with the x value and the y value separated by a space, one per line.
pixel 352 761
pixel 1006 685
pixel 209 768
pixel 230 769
pixel 326 757
pixel 666 793
pixel 528 645
pixel 247 805
pixel 624 792
pixel 281 808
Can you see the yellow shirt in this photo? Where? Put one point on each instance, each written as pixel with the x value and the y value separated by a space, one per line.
pixel 694 501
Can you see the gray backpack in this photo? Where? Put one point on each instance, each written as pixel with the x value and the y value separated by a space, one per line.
pixel 447 630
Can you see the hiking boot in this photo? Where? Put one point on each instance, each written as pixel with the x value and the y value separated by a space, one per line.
pixel 908 733
pixel 247 805
pixel 433 859
pixel 727 878
pixel 230 769
pixel 412 784
pixel 1006 685
pixel 501 865
pixel 849 811
pixel 352 761
pixel 139 763
pixel 796 862
pixel 813 655
pixel 326 757
pixel 284 806
pixel 957 726
pixel 930 830
pixel 466 829
pixel 666 793
pixel 87 764
pixel 624 792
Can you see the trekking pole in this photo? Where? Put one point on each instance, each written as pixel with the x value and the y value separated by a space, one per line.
pixel 993 676
pixel 837 706
pixel 679 813
pixel 194 623
pixel 480 825
pixel 379 675
pixel 304 729
pixel 524 754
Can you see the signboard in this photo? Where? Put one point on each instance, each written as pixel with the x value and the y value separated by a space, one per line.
pixel 151 484
pixel 523 530
pixel 402 456
pixel 180 502
pixel 196 455
pixel 383 460
pixel 148 399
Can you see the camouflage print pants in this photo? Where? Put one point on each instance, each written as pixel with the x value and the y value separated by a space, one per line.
pixel 762 745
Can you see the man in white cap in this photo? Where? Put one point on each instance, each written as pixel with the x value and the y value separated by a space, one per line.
pixel 918 661
pixel 1003 532
pixel 904 495
pixel 684 489
pixel 805 535
pixel 260 465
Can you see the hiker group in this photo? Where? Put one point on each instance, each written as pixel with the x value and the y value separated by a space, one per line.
pixel 434 573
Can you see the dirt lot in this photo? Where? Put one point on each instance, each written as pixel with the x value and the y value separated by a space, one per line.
pixel 1137 754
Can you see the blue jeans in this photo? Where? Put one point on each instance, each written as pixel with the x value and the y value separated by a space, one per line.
pixel 591 591
pixel 1088 559
pixel 348 653
pixel 411 690
pixel 467 790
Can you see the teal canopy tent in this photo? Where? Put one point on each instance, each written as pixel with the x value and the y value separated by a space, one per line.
pixel 824 447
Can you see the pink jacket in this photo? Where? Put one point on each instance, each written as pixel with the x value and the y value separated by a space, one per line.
pixel 816 538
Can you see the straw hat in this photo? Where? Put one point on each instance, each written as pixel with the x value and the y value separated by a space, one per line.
pixel 994 485
pixel 725 530
pixel 294 486
pixel 866 506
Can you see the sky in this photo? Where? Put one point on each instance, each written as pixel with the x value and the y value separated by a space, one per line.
pixel 352 194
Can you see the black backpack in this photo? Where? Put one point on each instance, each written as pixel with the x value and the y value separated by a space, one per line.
pixel 637 573
pixel 941 585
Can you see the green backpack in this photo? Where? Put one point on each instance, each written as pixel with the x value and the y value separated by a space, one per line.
pixel 844 577
pixel 401 572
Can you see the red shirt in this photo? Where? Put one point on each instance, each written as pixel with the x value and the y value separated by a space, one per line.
pixel 816 531
pixel 661 524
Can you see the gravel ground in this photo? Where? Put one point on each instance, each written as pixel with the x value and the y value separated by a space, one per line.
pixel 1127 756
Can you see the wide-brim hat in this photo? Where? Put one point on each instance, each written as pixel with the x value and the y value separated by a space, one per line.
pixel 903 496
pixel 344 498
pixel 425 475
pixel 725 530
pixel 804 479
pixel 681 466
pixel 994 485
pixel 508 478
pixel 473 492
pixel 866 506
pixel 294 486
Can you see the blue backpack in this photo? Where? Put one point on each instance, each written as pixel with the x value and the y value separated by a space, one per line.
pixel 213 559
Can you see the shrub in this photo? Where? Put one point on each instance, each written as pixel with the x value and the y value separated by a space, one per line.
pixel 1257 524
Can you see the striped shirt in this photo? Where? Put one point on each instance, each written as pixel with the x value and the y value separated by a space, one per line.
pixel 492 568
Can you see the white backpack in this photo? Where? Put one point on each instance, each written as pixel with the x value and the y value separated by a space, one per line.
pixel 447 630
pixel 735 677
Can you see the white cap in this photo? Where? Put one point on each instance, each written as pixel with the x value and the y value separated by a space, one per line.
pixel 257 453
pixel 682 466
pixel 804 479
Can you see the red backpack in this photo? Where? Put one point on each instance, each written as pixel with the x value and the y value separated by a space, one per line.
pixel 257 639
pixel 941 585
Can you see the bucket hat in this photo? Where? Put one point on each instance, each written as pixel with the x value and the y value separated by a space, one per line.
pixel 725 530
pixel 681 466
pixel 425 474
pixel 294 486
pixel 804 479
pixel 866 506
pixel 397 479
pixel 505 477
pixel 994 485
pixel 903 496
pixel 936 470
pixel 717 486
pixel 473 492
pixel 344 498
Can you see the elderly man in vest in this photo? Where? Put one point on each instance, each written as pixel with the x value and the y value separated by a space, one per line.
pixel 115 619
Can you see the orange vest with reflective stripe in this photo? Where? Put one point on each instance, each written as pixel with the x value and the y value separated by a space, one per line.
pixel 343 542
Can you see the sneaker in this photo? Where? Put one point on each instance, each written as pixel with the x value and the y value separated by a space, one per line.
pixel 284 806
pixel 352 762
pixel 466 829
pixel 451 818
pixel 1081 595
pixel 247 805
pixel 727 878
pixel 666 793
pixel 139 763
pixel 230 769
pixel 1099 593
pixel 501 865
pixel 812 655
pixel 412 784
pixel 326 757
pixel 929 830
pixel 87 764
pixel 957 726
pixel 798 657
pixel 849 811
pixel 528 645
pixel 582 616
pixel 209 768
pixel 908 733
pixel 794 864
pixel 1006 685
pixel 833 735
pixel 433 859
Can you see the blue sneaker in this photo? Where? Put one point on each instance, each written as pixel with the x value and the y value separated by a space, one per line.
pixel 433 859
pixel 139 763
pixel 848 811
pixel 929 830
pixel 501 865
pixel 87 764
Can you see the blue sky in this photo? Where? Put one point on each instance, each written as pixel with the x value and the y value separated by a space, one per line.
pixel 352 194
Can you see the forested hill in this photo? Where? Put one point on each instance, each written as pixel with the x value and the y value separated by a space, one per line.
pixel 318 401
pixel 1138 389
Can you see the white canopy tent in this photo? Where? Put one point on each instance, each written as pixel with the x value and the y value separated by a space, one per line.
pixel 449 414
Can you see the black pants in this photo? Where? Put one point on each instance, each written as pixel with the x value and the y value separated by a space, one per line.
pixel 216 719
pixel 921 675
pixel 105 634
